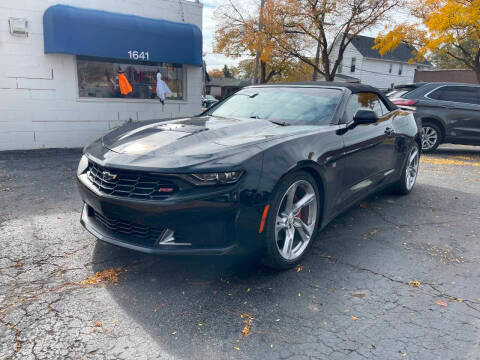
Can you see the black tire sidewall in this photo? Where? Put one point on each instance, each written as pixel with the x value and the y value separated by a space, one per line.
pixel 272 256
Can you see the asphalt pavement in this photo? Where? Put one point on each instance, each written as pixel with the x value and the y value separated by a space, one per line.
pixel 392 278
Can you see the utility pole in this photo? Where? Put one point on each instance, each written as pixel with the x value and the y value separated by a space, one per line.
pixel 257 52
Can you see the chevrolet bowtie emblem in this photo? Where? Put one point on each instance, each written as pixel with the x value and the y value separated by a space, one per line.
pixel 108 176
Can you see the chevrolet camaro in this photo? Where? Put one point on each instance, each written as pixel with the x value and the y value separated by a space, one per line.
pixel 263 170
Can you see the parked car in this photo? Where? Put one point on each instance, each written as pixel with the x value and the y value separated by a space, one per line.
pixel 402 89
pixel 449 112
pixel 208 101
pixel 263 170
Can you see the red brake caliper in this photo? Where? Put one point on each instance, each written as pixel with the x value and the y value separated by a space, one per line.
pixel 303 214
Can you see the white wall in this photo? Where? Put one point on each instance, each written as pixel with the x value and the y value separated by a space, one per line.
pixel 39 103
pixel 374 72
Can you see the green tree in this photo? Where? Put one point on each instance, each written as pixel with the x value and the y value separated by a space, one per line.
pixel 226 72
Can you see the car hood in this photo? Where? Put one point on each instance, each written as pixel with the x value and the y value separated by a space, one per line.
pixel 188 142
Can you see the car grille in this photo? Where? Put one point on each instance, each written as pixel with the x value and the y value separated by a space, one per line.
pixel 143 234
pixel 200 234
pixel 130 184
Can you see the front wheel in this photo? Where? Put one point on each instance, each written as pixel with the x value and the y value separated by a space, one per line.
pixel 409 172
pixel 292 220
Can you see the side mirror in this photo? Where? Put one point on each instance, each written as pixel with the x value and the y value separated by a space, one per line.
pixel 365 117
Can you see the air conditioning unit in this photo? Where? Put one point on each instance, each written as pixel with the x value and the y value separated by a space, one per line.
pixel 18 27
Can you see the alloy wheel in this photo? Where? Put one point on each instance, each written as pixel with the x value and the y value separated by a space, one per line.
pixel 429 137
pixel 412 167
pixel 295 220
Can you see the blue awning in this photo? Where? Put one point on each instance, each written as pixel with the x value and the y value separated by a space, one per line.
pixel 78 31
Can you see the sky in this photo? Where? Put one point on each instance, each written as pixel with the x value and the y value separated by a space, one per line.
pixel 214 61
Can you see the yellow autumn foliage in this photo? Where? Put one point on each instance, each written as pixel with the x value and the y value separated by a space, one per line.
pixel 439 25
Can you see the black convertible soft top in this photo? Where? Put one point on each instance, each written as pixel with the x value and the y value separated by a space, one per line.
pixel 353 87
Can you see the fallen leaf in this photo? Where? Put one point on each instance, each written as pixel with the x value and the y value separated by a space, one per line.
pixel 299 268
pixel 271 346
pixel 441 303
pixel 98 324
pixel 247 323
pixel 459 300
pixel 414 283
pixel 373 232
pixel 299 294
pixel 104 277
pixel 359 295
pixel 248 290
pixel 354 318
pixel 236 348
pixel 173 333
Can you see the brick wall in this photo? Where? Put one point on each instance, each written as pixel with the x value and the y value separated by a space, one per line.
pixel 460 76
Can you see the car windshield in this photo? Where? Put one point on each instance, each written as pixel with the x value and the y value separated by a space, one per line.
pixel 290 105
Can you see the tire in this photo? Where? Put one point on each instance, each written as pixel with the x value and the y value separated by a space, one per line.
pixel 409 171
pixel 431 137
pixel 280 253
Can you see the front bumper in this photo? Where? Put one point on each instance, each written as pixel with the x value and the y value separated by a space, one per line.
pixel 217 224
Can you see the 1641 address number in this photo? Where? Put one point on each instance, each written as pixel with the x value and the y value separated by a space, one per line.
pixel 138 55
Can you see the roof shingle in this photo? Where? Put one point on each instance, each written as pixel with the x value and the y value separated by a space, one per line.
pixel 403 53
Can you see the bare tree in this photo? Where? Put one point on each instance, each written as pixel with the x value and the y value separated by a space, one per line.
pixel 327 25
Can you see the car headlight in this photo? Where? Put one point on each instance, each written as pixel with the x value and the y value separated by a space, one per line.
pixel 216 178
pixel 82 165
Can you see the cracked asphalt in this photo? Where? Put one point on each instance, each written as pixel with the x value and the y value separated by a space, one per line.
pixel 392 278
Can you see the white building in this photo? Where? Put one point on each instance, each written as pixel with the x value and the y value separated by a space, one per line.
pixel 59 67
pixel 362 63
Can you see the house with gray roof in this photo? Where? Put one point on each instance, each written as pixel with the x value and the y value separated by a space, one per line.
pixel 223 87
pixel 367 66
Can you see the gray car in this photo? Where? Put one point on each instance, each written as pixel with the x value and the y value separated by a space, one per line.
pixel 449 113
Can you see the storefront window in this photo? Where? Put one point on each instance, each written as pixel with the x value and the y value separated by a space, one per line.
pixel 98 78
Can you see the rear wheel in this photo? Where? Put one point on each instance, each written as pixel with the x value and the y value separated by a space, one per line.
pixel 409 172
pixel 431 137
pixel 292 220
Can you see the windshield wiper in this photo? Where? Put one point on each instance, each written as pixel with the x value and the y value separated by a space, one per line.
pixel 277 122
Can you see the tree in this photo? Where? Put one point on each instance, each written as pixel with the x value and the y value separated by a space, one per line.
pixel 444 27
pixel 288 71
pixel 216 73
pixel 244 30
pixel 226 72
pixel 442 60
pixel 328 26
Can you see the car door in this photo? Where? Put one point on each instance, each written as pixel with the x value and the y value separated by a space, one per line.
pixel 369 149
pixel 462 115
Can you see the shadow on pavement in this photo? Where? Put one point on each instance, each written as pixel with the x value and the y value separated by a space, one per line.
pixel 193 307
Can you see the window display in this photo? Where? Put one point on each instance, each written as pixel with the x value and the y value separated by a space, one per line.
pixel 99 78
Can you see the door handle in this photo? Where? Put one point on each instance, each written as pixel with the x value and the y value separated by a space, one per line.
pixel 389 131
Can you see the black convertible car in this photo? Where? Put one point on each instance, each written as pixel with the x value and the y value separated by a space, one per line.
pixel 264 169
